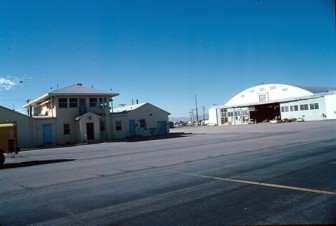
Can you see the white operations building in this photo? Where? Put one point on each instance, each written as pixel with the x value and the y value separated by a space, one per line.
pixel 276 101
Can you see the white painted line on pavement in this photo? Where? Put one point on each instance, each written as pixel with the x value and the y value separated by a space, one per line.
pixel 259 183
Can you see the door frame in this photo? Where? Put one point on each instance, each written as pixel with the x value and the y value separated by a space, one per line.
pixel 90 131
pixel 132 127
pixel 47 133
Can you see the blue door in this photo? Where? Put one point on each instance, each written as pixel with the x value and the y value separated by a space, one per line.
pixel 131 125
pixel 161 128
pixel 82 106
pixel 47 136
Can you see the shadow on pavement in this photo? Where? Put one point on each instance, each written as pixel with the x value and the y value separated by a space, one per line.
pixel 33 163
pixel 148 138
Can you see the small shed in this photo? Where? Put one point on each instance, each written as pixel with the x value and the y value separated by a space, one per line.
pixel 142 119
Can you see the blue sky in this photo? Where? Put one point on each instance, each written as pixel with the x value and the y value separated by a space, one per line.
pixel 164 52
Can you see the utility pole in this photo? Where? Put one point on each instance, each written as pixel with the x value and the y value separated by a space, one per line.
pixel 111 101
pixel 196 109
pixel 203 114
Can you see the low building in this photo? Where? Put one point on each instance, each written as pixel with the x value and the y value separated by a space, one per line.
pixel 276 101
pixel 142 119
pixel 77 114
pixel 26 130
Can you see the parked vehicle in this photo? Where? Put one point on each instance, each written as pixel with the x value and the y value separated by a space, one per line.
pixel 300 120
pixel 285 120
pixel 273 121
pixel 8 140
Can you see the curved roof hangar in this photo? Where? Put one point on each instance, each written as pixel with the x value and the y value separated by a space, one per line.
pixel 272 92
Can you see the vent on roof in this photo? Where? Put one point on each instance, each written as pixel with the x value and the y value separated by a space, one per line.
pixel 79 84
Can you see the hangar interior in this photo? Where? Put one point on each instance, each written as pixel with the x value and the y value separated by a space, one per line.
pixel 255 113
pixel 265 112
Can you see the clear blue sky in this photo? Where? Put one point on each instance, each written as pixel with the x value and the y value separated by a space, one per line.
pixel 164 52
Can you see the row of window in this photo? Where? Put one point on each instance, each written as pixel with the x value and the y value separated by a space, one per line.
pixel 263 89
pixel 73 102
pixel 118 127
pixel 142 123
pixel 236 113
pixel 66 127
pixel 303 107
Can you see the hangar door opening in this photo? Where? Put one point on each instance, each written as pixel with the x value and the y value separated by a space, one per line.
pixel 265 112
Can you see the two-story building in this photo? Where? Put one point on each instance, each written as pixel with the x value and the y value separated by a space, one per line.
pixel 72 114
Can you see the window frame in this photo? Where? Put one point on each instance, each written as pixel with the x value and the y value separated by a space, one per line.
pixel 93 102
pixel 118 125
pixel 314 106
pixel 72 103
pixel 66 128
pixel 142 123
pixel 62 103
pixel 304 107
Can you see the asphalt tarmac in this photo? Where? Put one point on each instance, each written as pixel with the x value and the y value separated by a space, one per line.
pixel 229 175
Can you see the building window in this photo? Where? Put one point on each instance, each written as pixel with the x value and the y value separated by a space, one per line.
pixel 142 123
pixel 284 109
pixel 303 107
pixel 284 89
pixel 294 108
pixel 73 102
pixel 118 125
pixel 66 129
pixel 102 102
pixel 93 102
pixel 63 102
pixel 272 87
pixel 262 98
pixel 242 96
pixel 262 89
pixel 223 121
pixel 314 106
pixel 252 91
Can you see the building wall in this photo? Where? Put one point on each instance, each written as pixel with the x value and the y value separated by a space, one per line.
pixel 234 116
pixel 213 116
pixel 74 112
pixel 330 101
pixel 151 114
pixel 66 116
pixel 311 109
pixel 120 126
pixel 25 131
pixel 61 136
pixel 38 132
